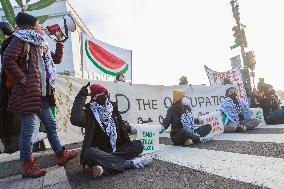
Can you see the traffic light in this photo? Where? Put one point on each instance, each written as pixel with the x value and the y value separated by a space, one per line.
pixel 249 60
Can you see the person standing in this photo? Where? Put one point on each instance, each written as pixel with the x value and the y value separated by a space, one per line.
pixel 31 92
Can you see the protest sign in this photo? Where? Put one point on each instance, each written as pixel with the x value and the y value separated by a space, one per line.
pixel 215 120
pixel 234 75
pixel 149 136
pixel 137 103
pixel 257 113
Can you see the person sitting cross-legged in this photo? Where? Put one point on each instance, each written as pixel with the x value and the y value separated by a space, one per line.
pixel 180 117
pixel 107 146
pixel 236 112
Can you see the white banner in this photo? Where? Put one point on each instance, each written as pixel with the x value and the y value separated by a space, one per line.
pixel 142 104
pixel 234 76
pixel 100 57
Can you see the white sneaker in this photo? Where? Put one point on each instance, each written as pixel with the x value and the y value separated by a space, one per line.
pixel 188 142
pixel 206 139
pixel 141 161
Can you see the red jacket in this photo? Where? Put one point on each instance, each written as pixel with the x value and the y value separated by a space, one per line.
pixel 28 99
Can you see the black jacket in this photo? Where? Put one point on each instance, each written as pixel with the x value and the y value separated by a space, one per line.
pixel 82 116
pixel 173 118
pixel 268 104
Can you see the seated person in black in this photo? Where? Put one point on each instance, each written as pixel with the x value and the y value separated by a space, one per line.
pixel 106 146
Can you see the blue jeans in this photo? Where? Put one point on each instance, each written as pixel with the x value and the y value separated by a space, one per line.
pixel 276 117
pixel 28 122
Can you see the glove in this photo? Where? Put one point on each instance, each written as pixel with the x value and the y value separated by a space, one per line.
pixel 84 90
pixel 59 36
pixel 162 129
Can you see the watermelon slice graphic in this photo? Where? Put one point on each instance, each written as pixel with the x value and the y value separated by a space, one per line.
pixel 104 60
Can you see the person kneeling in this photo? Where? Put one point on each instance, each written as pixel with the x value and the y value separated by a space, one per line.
pixel 106 147
pixel 236 112
pixel 180 117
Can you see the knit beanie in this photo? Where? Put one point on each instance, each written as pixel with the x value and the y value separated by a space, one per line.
pixel 97 89
pixel 177 95
pixel 25 20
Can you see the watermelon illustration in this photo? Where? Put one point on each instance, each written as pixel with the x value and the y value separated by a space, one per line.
pixel 105 61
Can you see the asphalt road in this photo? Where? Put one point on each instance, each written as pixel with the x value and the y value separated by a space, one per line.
pixel 159 174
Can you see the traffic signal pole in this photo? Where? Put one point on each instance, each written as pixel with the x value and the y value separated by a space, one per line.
pixel 240 41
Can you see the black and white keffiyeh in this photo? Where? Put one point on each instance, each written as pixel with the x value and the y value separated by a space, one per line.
pixel 103 115
pixel 187 121
pixel 40 40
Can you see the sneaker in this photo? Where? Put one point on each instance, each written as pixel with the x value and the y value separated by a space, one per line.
pixel 140 162
pixel 64 156
pixel 206 139
pixel 97 171
pixel 188 142
pixel 31 169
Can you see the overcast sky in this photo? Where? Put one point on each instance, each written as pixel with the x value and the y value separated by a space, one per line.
pixel 171 38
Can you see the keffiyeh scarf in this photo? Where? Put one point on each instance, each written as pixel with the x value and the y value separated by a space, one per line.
pixel 103 115
pixel 187 121
pixel 228 108
pixel 37 39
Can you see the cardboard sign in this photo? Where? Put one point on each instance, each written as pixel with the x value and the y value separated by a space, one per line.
pixel 149 136
pixel 215 120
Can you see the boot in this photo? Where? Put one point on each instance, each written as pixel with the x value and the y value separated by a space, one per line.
pixel 31 169
pixel 64 156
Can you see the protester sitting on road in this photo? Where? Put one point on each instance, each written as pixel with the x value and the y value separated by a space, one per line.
pixel 180 117
pixel 237 113
pixel 30 94
pixel 269 102
pixel 107 146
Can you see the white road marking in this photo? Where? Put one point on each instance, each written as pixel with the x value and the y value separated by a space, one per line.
pixel 258 170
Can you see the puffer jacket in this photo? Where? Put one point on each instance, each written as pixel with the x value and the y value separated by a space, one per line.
pixel 26 99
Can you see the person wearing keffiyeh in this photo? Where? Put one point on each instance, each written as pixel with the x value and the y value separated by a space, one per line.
pixel 179 116
pixel 107 146
pixel 236 113
pixel 30 63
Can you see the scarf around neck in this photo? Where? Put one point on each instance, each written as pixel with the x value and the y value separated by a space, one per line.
pixel 39 40
pixel 103 115
pixel 228 108
pixel 187 121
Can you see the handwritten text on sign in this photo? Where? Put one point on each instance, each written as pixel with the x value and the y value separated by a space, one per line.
pixel 149 136
pixel 214 119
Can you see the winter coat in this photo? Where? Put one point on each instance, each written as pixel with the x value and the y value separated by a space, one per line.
pixel 82 116
pixel 173 118
pixel 26 99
